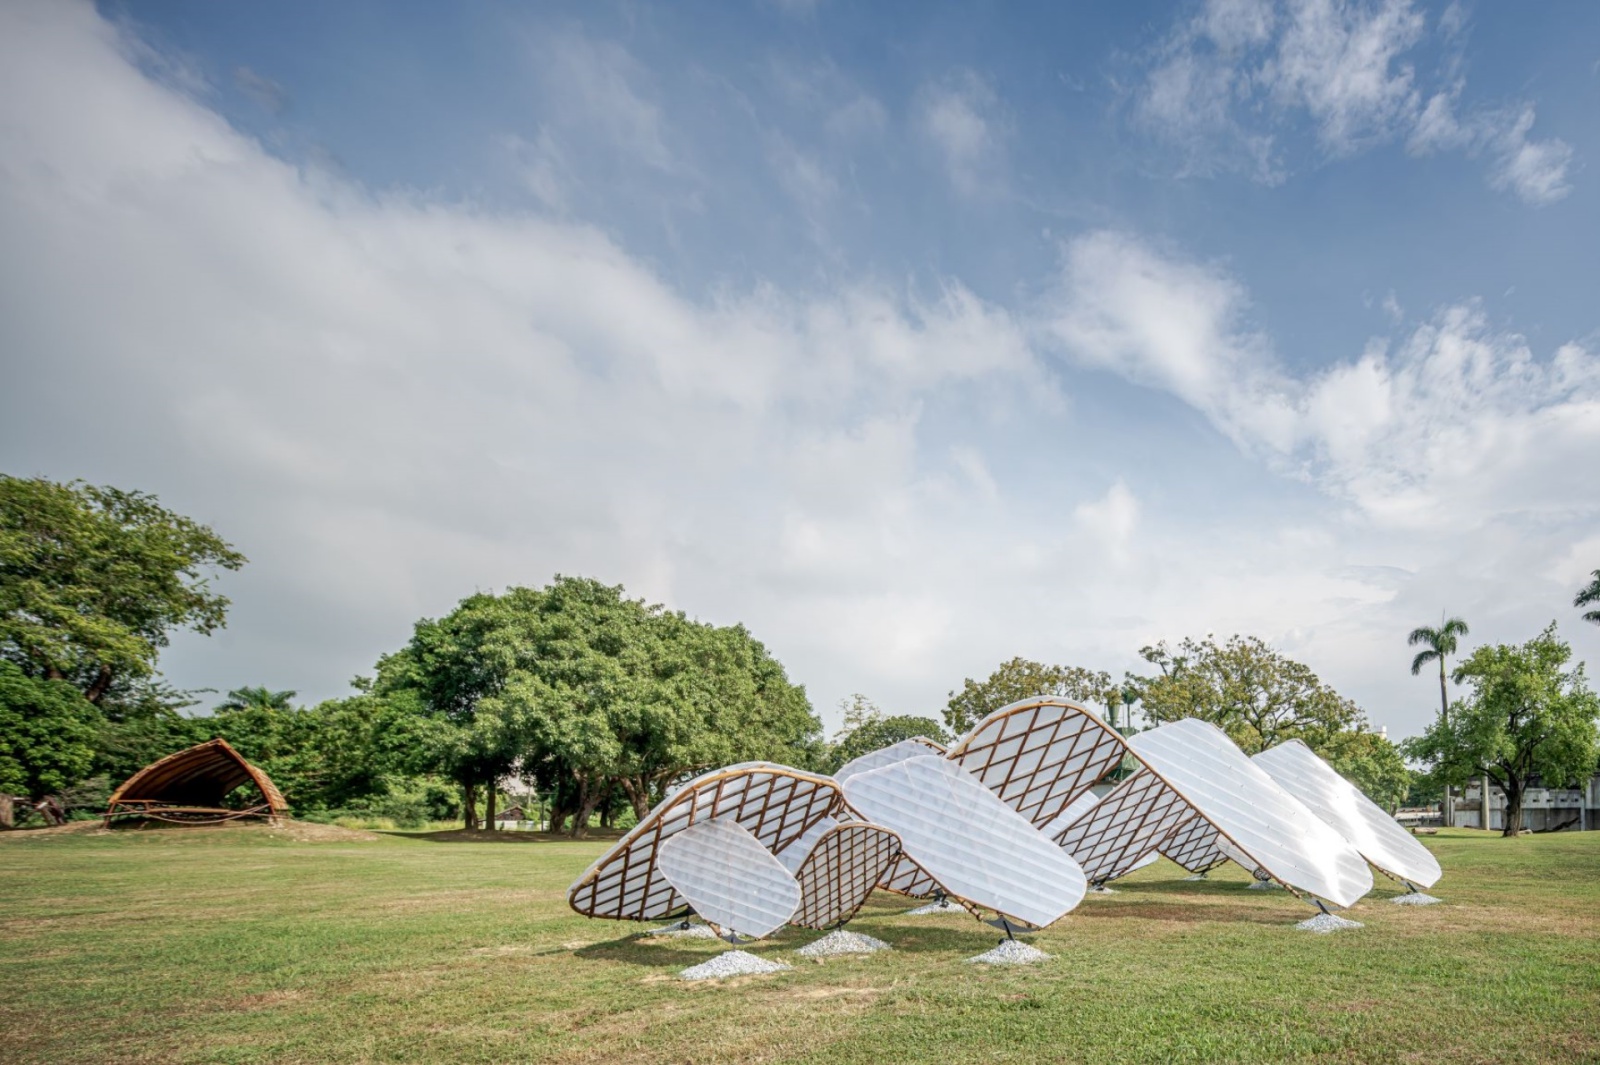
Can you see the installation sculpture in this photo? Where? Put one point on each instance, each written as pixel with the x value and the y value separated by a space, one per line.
pixel 1041 801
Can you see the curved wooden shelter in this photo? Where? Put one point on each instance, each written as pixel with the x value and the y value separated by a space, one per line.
pixel 189 787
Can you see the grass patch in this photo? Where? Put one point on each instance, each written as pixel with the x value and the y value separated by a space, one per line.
pixel 237 945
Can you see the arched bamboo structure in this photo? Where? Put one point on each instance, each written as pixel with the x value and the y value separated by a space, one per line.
pixel 188 788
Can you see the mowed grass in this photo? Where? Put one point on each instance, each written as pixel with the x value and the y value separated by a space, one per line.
pixel 231 945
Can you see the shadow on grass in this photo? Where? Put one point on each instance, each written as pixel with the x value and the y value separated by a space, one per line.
pixel 462 835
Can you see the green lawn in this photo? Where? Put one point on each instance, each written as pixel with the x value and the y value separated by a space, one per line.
pixel 231 945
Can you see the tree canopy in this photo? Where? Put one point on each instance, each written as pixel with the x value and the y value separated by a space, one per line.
pixel 1020 678
pixel 93 579
pixel 591 693
pixel 866 729
pixel 1528 717
pixel 1590 596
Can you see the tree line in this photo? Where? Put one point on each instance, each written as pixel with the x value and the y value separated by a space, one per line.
pixel 600 703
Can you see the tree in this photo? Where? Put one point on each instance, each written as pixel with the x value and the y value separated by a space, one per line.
pixel 866 729
pixel 1020 679
pixel 1438 644
pixel 1588 596
pixel 1528 716
pixel 590 694
pixel 47 734
pixel 1372 763
pixel 1256 695
pixel 93 580
pixel 258 698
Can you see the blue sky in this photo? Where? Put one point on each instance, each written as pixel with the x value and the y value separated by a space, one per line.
pixel 913 337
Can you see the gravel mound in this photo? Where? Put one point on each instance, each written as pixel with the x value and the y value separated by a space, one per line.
pixel 732 963
pixel 1102 890
pixel 677 931
pixel 1197 876
pixel 932 907
pixel 840 941
pixel 1323 923
pixel 1261 885
pixel 1416 898
pixel 1011 952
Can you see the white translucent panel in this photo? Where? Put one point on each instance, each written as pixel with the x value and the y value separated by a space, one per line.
pixel 976 847
pixel 730 879
pixel 1039 754
pixel 795 853
pixel 841 871
pixel 895 752
pixel 906 877
pixel 1362 822
pixel 1249 808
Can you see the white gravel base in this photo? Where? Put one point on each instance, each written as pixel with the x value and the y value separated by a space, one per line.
pixel 1011 952
pixel 1197 876
pixel 933 907
pixel 1261 885
pixel 732 963
pixel 1102 890
pixel 677 931
pixel 840 941
pixel 1324 923
pixel 1416 898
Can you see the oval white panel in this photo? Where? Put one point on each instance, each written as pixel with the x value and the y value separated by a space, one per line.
pixel 1271 826
pixel 976 847
pixel 1362 822
pixel 730 879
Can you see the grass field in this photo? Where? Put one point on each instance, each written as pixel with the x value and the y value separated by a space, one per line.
pixel 233 945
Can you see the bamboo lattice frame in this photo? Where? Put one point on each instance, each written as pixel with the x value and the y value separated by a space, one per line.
pixel 1039 754
pixel 775 803
pixel 188 787
pixel 1130 822
pixel 841 871
pixel 1193 845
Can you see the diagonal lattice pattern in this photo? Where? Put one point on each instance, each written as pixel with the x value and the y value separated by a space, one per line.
pixel 1193 845
pixel 841 871
pixel 1123 827
pixel 1039 754
pixel 774 803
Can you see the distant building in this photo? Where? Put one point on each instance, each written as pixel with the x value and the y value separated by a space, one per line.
pixel 1543 809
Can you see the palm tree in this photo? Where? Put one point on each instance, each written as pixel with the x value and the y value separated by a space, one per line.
pixel 259 697
pixel 1439 644
pixel 1589 595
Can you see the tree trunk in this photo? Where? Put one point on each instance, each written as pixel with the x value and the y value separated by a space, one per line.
pixel 1513 825
pixel 469 806
pixel 1447 808
pixel 638 792
pixel 588 798
pixel 8 817
pixel 489 797
pixel 97 690
pixel 1483 801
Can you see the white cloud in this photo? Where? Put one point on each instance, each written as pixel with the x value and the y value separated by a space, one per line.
pixel 390 400
pixel 1226 84
pixel 963 119
pixel 598 87
pixel 1456 422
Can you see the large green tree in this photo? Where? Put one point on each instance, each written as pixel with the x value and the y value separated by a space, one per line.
pixel 1529 716
pixel 94 579
pixel 592 694
pixel 1021 678
pixel 1590 596
pixel 866 729
pixel 1257 695
pixel 1260 698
